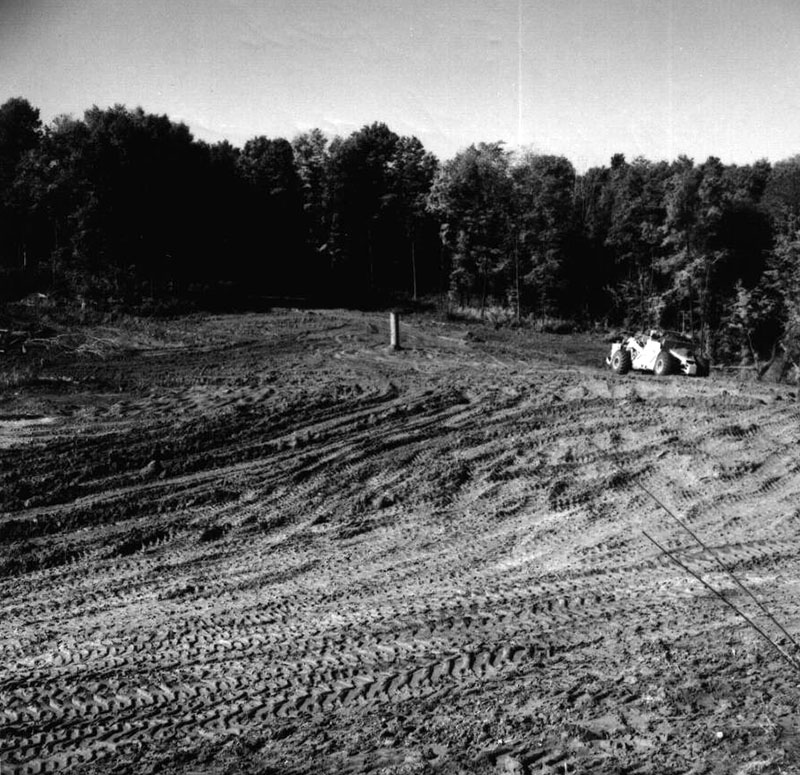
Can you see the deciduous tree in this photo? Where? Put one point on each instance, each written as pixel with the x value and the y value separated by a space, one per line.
pixel 471 195
pixel 543 213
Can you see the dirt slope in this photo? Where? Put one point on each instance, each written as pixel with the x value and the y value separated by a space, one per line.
pixel 268 544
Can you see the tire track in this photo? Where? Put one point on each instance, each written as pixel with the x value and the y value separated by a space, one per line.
pixel 356 538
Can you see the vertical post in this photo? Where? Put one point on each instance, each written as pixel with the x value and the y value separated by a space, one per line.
pixel 394 330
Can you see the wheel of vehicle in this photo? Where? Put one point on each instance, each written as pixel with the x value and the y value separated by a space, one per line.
pixel 621 361
pixel 703 367
pixel 665 364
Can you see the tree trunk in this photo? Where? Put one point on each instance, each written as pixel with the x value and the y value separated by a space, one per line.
pixel 371 263
pixel 641 299
pixel 483 292
pixel 705 336
pixel 691 290
pixel 413 269
pixel 53 254
pixel 516 273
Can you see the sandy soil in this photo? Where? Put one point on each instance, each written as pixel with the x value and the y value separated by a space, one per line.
pixel 265 543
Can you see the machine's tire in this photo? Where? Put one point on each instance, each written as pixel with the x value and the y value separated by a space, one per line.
pixel 621 361
pixel 665 364
pixel 703 367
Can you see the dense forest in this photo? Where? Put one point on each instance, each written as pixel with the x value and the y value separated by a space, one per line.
pixel 123 208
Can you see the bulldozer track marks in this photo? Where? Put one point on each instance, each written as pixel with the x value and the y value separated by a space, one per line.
pixel 305 527
pixel 31 731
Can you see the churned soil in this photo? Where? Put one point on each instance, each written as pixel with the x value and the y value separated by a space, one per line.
pixel 268 543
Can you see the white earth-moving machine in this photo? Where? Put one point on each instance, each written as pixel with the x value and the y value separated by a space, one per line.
pixel 662 352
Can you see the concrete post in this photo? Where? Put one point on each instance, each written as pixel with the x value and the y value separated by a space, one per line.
pixel 394 330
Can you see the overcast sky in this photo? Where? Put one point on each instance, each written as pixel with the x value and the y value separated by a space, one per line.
pixel 583 78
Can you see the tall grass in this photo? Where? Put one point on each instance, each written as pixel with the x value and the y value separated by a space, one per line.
pixel 500 316
pixel 19 374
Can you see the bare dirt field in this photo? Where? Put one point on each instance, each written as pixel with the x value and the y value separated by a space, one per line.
pixel 266 543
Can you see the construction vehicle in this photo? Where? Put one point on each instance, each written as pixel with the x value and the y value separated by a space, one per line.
pixel 662 352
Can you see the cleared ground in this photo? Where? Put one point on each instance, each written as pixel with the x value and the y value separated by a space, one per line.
pixel 265 543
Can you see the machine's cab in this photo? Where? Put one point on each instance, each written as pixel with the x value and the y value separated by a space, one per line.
pixel 651 347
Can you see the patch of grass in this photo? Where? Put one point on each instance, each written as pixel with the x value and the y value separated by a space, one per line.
pixel 551 325
pixel 20 374
pixel 506 317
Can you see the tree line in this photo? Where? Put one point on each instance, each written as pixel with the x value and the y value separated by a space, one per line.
pixel 122 206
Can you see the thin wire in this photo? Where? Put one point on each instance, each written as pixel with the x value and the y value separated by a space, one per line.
pixel 519 74
pixel 786 657
pixel 722 565
pixel 791 661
